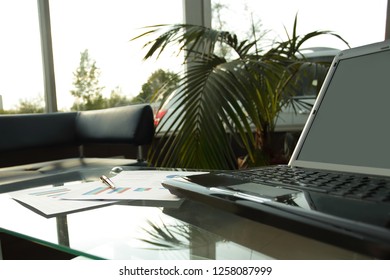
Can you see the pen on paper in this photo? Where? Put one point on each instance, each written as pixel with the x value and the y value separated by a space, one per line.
pixel 107 182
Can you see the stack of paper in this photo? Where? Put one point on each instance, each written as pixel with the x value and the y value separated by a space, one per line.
pixel 129 186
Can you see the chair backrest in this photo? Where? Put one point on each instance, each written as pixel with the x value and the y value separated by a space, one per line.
pixel 131 124
pixel 30 131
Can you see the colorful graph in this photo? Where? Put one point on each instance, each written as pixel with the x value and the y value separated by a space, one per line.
pixel 120 190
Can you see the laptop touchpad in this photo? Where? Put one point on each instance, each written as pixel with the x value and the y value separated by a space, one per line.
pixel 263 190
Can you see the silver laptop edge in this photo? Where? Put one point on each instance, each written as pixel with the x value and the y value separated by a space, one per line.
pixel 295 161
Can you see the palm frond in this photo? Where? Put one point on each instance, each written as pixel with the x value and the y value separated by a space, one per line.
pixel 208 108
pixel 290 47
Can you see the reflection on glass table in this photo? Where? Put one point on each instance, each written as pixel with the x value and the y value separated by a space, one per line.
pixel 136 230
pixel 158 237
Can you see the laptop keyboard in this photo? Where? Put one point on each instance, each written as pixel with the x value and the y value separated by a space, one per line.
pixel 338 184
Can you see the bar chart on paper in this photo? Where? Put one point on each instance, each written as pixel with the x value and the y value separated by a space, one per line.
pixel 129 185
pixel 52 192
pixel 48 200
pixel 118 190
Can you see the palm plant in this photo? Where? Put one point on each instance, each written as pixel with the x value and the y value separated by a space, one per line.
pixel 222 99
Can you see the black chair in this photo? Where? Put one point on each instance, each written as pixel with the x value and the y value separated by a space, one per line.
pixel 37 144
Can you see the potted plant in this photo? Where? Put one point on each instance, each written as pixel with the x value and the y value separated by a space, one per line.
pixel 225 98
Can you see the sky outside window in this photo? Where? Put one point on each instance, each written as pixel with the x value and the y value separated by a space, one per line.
pixel 20 52
pixel 359 22
pixel 105 28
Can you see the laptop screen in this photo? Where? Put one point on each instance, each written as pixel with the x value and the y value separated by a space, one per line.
pixel 352 123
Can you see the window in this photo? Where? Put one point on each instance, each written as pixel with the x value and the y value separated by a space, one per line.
pixel 105 28
pixel 358 22
pixel 20 55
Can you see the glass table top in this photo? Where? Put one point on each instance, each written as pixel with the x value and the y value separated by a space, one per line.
pixel 129 230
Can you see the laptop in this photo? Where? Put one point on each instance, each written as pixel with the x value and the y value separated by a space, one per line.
pixel 336 186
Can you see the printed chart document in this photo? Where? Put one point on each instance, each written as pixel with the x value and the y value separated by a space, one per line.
pixel 47 200
pixel 129 186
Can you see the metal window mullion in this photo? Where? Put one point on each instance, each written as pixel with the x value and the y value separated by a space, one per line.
pixel 47 56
